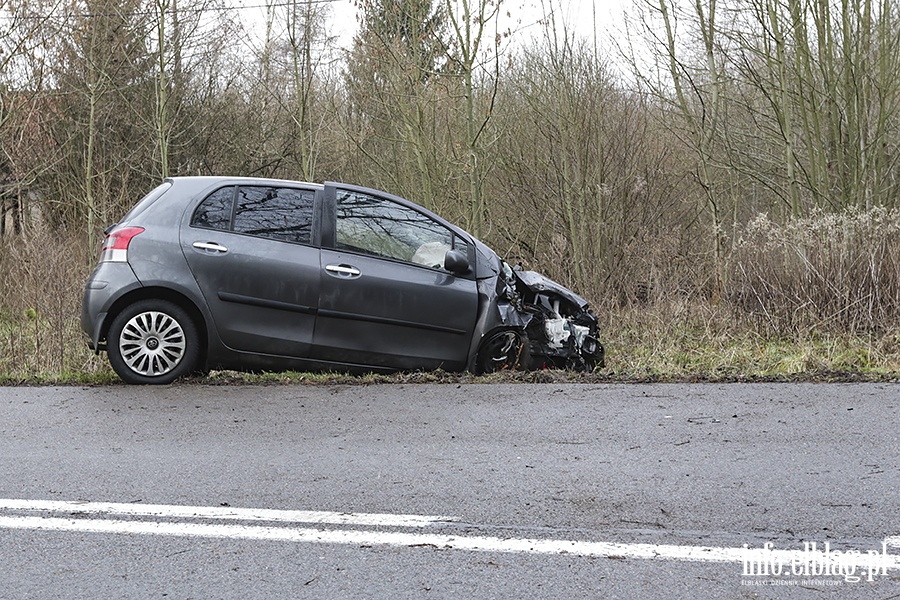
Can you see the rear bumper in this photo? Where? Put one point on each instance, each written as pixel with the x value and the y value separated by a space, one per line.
pixel 109 282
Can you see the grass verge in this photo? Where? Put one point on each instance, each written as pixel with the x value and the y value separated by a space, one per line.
pixel 665 343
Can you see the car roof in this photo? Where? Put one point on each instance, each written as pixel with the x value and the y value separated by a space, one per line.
pixel 212 179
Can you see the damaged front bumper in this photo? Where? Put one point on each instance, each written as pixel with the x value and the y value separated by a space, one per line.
pixel 541 325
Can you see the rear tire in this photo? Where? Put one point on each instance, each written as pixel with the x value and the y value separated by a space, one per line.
pixel 153 342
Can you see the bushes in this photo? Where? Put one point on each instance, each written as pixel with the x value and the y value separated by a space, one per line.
pixel 41 280
pixel 837 272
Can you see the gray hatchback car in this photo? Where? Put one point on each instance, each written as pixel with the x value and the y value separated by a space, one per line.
pixel 262 274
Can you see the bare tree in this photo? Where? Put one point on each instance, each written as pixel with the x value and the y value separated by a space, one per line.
pixel 472 23
pixel 21 101
pixel 583 186
pixel 687 76
pixel 398 112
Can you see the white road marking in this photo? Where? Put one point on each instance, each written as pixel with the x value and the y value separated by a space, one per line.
pixel 356 537
pixel 221 512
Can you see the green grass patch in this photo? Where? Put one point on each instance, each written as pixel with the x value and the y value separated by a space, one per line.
pixel 709 343
pixel 664 343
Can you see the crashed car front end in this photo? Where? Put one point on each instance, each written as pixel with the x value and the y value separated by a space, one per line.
pixel 535 323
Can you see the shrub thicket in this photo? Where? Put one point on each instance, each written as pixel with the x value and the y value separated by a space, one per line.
pixel 835 272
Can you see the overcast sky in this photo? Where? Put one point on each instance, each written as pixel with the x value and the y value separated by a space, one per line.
pixel 578 14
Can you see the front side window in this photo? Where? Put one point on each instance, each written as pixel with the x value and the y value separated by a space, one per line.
pixel 277 213
pixel 379 227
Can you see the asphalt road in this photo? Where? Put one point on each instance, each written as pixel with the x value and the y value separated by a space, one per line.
pixel 471 491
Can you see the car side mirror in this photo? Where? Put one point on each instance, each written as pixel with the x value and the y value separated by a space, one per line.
pixel 456 262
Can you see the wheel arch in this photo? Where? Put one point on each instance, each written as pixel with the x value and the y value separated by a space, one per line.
pixel 162 293
pixel 488 338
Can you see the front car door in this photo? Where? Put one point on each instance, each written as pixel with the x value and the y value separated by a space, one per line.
pixel 385 298
pixel 253 252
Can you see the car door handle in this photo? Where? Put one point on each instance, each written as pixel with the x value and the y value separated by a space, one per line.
pixel 210 247
pixel 343 271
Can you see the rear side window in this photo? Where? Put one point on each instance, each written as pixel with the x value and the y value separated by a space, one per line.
pixel 278 213
pixel 284 214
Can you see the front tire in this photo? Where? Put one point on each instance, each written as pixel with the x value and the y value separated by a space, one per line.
pixel 153 342
pixel 502 351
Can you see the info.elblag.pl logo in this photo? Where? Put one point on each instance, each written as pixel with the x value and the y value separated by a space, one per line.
pixel 817 561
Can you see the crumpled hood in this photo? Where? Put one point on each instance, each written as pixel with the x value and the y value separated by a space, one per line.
pixel 538 283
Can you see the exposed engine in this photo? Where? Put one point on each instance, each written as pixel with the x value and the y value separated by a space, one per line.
pixel 559 329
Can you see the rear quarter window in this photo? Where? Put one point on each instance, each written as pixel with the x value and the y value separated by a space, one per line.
pixel 215 210
pixel 145 202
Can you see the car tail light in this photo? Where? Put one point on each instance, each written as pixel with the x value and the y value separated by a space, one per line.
pixel 115 246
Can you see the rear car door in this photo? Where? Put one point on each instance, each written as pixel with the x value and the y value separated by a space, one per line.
pixel 385 298
pixel 252 250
